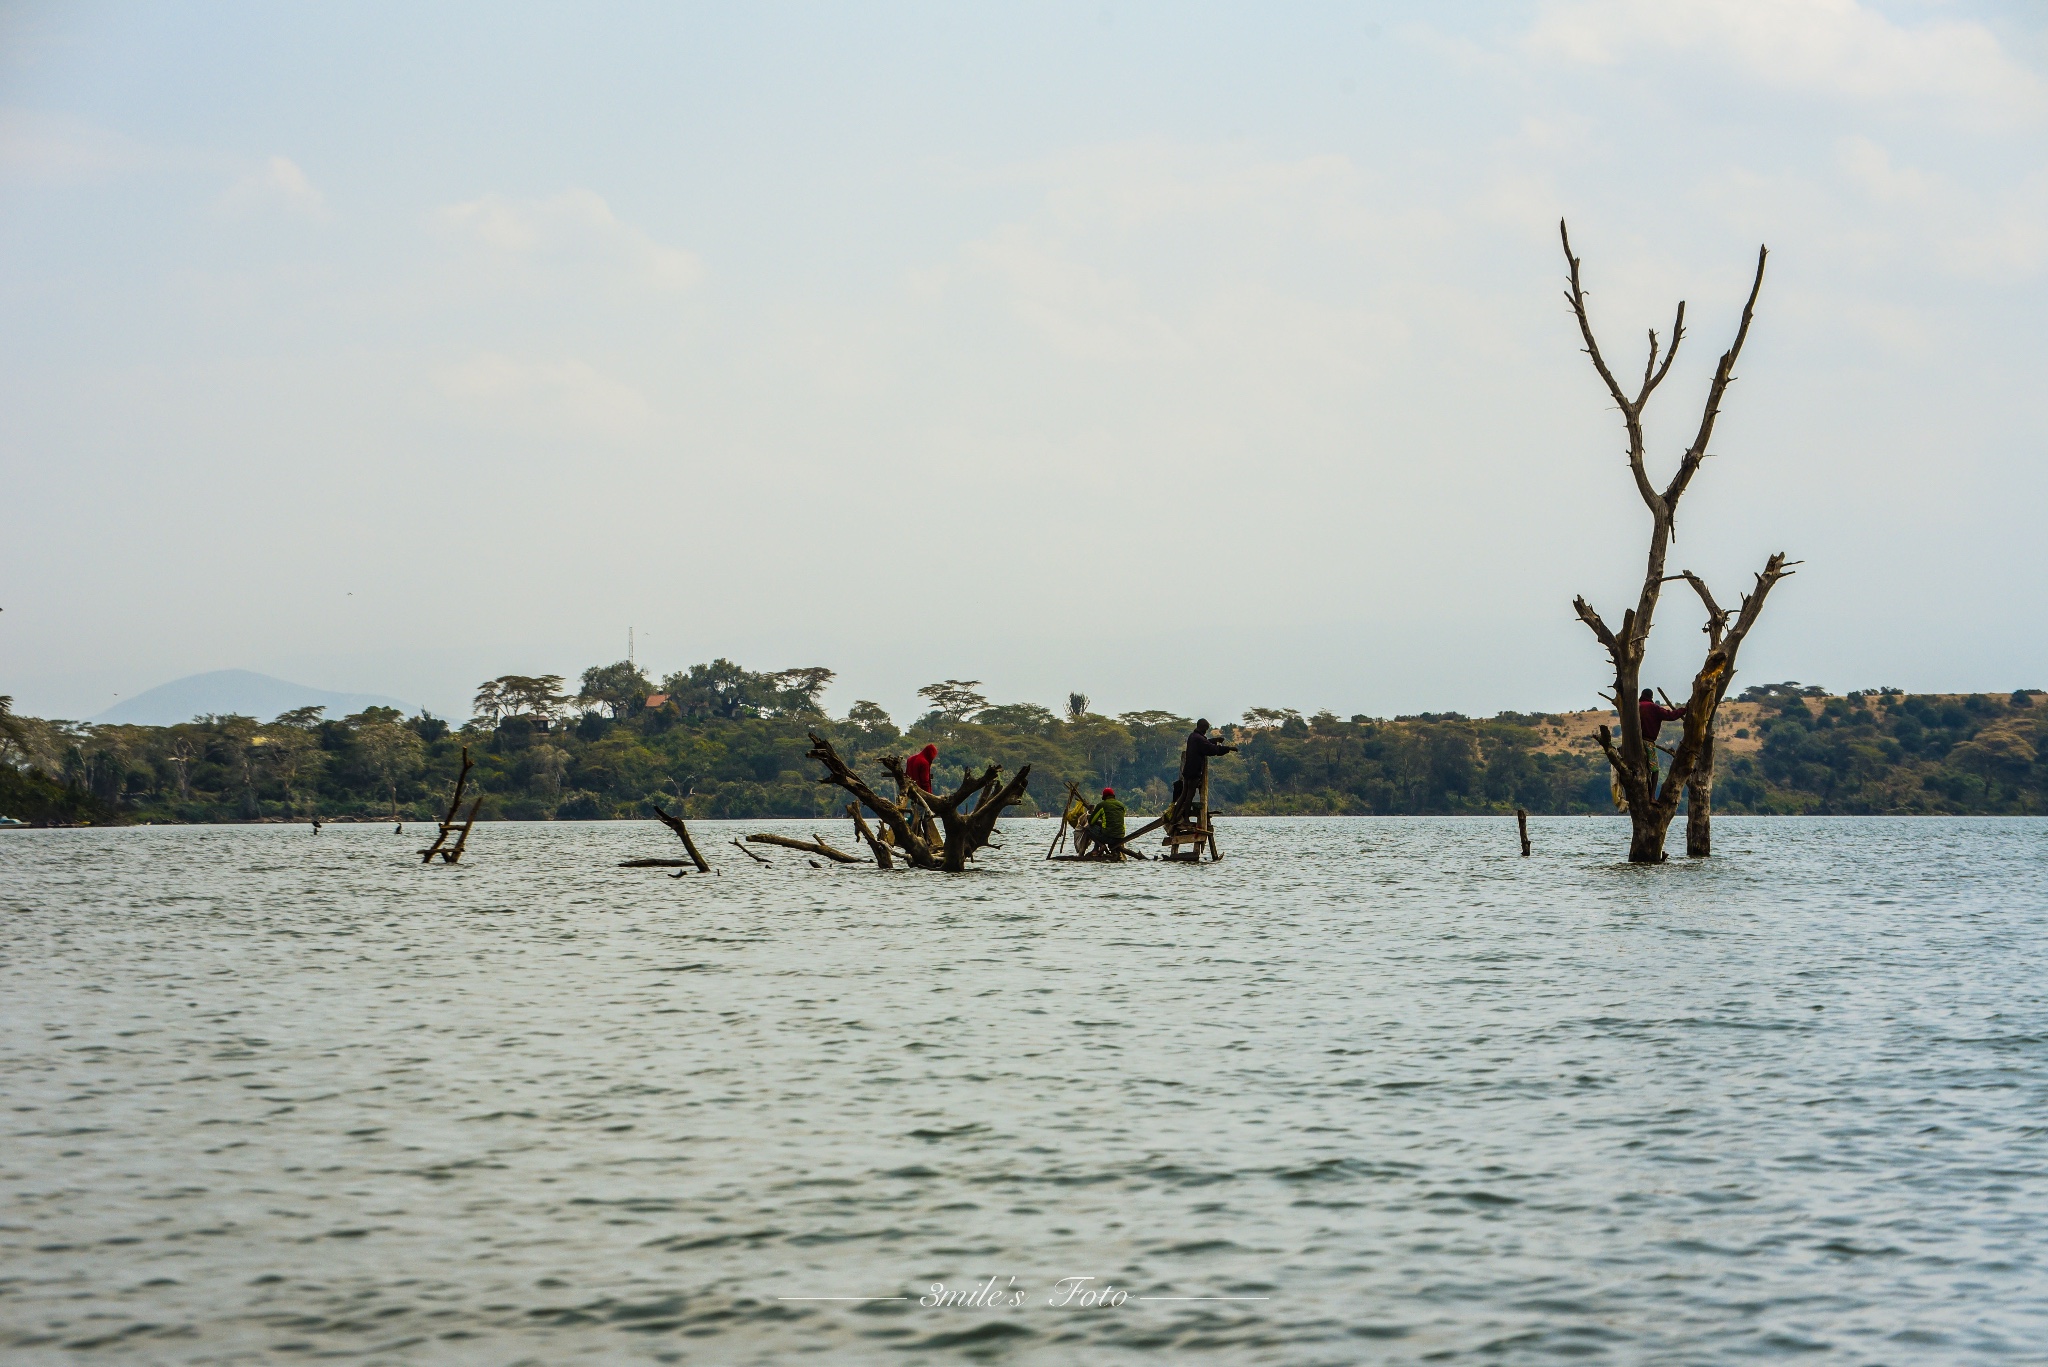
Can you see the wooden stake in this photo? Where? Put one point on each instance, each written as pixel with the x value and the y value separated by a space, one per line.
pixel 1522 820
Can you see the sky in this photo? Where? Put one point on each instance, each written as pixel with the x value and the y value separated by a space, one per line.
pixel 1188 356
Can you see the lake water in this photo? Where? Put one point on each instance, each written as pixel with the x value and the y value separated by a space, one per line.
pixel 1369 1090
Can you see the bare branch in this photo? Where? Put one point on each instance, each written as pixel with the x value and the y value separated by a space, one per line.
pixel 1598 627
pixel 1577 298
pixel 1650 382
pixel 1776 568
pixel 876 846
pixel 1631 413
pixel 1717 619
pixel 683 832
pixel 1724 375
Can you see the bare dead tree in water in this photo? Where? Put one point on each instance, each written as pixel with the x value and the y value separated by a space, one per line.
pixel 966 829
pixel 1651 803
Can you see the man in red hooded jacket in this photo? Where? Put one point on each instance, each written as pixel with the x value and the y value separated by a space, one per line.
pixel 919 766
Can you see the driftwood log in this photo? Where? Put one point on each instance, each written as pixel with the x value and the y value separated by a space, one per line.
pixel 966 829
pixel 683 833
pixel 813 846
pixel 757 858
pixel 1651 804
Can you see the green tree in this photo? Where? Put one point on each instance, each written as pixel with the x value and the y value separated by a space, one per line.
pixel 954 700
pixel 872 722
pixel 392 751
pixel 621 688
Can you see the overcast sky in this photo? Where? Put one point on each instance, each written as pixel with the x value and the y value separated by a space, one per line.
pixel 1189 356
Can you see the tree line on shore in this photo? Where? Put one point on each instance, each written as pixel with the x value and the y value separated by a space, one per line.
pixel 719 740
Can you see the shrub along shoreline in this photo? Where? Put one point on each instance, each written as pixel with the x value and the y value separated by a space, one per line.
pixel 722 741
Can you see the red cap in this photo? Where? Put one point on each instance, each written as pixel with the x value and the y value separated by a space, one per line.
pixel 1109 792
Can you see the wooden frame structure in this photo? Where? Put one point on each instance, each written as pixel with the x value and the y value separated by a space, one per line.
pixel 1187 836
pixel 454 852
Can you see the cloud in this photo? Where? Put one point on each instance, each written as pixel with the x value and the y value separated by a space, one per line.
pixel 1869 167
pixel 1177 257
pixel 278 184
pixel 1836 48
pixel 556 397
pixel 37 146
pixel 574 229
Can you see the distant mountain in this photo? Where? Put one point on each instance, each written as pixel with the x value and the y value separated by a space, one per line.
pixel 233 690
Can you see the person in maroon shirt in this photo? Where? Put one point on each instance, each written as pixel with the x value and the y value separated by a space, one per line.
pixel 1654 715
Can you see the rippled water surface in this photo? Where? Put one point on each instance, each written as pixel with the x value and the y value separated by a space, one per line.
pixel 1397 1093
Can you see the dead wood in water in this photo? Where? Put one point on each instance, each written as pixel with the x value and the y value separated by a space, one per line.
pixel 451 853
pixel 808 846
pixel 966 831
pixel 1522 822
pixel 654 863
pixel 879 847
pixel 683 833
pixel 1651 803
pixel 758 859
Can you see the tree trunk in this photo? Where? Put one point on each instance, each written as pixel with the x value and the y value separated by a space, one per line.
pixel 1699 805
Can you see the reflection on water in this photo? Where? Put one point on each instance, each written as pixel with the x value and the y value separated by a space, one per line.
pixel 1395 1093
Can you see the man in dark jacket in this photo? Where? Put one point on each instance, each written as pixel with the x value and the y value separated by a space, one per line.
pixel 1194 762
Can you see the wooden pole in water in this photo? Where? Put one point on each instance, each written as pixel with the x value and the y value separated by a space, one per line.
pixel 1522 821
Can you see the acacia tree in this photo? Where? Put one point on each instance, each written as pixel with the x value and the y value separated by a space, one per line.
pixel 391 751
pixel 954 700
pixel 1651 804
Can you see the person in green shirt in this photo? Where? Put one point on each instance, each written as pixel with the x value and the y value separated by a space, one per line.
pixel 1107 825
